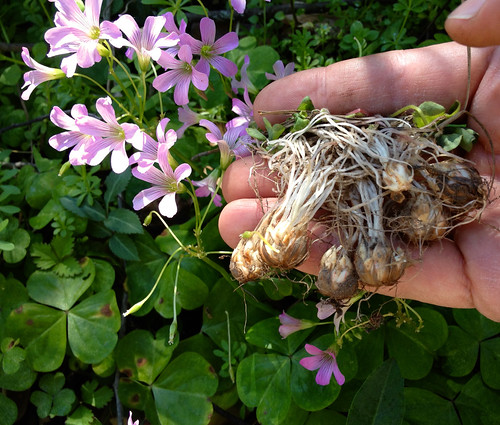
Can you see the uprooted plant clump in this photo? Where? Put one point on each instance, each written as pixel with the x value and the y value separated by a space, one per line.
pixel 378 185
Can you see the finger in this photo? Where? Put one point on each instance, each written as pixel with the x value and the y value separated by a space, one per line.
pixel 248 177
pixel 380 83
pixel 475 23
pixel 440 276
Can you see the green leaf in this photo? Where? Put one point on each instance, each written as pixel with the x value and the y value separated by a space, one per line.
pixel 123 246
pixel 141 357
pixel 460 352
pixel 104 275
pixel 263 381
pixel 8 410
pixel 92 327
pixel 370 353
pixel 490 362
pixel 414 351
pixel 20 380
pixel 191 291
pixel 426 408
pixel 60 292
pixel 42 331
pixel 43 403
pixel 96 397
pixel 21 240
pixel 115 184
pixel 256 134
pixel 181 392
pixel 380 398
pixel 306 103
pixel 52 383
pixel 11 75
pixel 124 221
pixel 477 404
pixel 475 324
pixel 12 359
pixel 82 416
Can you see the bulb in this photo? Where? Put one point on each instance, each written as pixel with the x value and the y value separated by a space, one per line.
pixel 246 264
pixel 378 264
pixel 337 278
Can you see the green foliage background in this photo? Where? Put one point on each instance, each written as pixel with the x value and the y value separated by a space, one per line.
pixel 74 257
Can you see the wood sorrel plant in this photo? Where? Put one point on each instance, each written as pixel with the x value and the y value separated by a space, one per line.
pixel 150 101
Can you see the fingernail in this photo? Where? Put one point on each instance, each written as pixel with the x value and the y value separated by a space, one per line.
pixel 467 9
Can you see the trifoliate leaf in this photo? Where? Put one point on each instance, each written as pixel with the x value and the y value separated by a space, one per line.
pixel 96 397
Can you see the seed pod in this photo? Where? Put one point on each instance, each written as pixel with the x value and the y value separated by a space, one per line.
pixel 337 278
pixel 284 246
pixel 378 264
pixel 246 264
pixel 454 182
pixel 423 219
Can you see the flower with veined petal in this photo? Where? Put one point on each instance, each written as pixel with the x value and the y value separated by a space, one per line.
pixel 131 421
pixel 290 324
pixel 148 151
pixel 72 137
pixel 280 70
pixel 180 73
pixel 110 136
pixel 79 33
pixel 207 187
pixel 211 51
pixel 187 117
pixel 40 74
pixel 166 183
pixel 146 42
pixel 325 362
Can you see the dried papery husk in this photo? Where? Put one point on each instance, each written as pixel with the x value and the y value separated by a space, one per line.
pixel 337 278
pixel 397 177
pixel 246 263
pixel 284 246
pixel 423 219
pixel 378 263
pixel 456 183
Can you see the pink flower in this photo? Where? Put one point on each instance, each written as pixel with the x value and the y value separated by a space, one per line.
pixel 146 43
pixel 166 183
pixel 208 187
pixel 210 51
pixel 148 154
pixel 325 362
pixel 130 420
pixel 244 82
pixel 231 143
pixel 182 73
pixel 110 136
pixel 280 70
pixel 72 137
pixel 238 5
pixel 79 33
pixel 39 75
pixel 290 324
pixel 244 110
pixel 188 118
pixel 172 28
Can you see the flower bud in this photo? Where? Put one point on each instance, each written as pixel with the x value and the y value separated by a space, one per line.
pixel 337 278
pixel 378 264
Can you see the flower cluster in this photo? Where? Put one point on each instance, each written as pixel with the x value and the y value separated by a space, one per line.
pixel 178 61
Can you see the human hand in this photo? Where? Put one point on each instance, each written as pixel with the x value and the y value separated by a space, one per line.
pixel 463 272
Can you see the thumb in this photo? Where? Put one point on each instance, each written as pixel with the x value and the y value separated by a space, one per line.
pixel 475 23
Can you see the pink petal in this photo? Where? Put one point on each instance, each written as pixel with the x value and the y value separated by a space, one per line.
pixel 311 349
pixel 182 172
pixel 311 363
pixel 146 196
pixel 224 66
pixel 226 43
pixel 105 108
pixel 207 30
pixel 181 92
pixel 119 158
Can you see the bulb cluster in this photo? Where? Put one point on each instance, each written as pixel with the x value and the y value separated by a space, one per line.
pixel 376 184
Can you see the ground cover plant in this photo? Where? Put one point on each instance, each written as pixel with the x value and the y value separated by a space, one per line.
pixel 117 301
